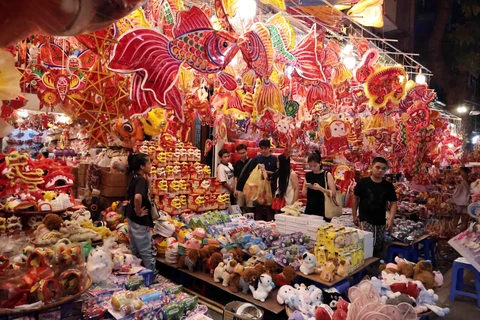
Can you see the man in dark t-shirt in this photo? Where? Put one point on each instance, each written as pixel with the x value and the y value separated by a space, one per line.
pixel 372 196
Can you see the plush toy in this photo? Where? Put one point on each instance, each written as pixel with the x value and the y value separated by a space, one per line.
pixel 331 297
pixel 309 265
pixel 285 293
pixel 424 273
pixel 223 272
pixel 344 268
pixel 438 278
pixel 190 260
pixel 52 221
pixel 411 289
pixel 213 262
pixel 286 277
pixel 14 224
pixel 272 269
pixel 315 297
pixel 323 312
pixel 263 286
pixel 427 301
pixel 99 263
pixel 402 298
pixel 328 272
pixel 237 254
pixel 339 314
pixel 34 222
pixel 405 268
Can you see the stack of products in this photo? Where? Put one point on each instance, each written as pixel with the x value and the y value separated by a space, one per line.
pixel 179 182
pixel 407 231
pixel 307 224
pixel 336 242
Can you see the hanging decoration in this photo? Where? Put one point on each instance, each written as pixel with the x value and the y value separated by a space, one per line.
pixel 368 13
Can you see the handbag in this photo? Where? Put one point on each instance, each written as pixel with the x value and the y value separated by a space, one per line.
pixel 333 204
pixel 154 211
pixel 278 203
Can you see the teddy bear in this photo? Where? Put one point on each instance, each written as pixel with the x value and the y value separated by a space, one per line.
pixel 52 222
pixel 328 272
pixel 405 268
pixel 423 272
pixel 190 260
pixel 344 268
pixel 286 277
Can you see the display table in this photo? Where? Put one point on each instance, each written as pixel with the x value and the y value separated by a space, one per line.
pixel 316 277
pixel 270 304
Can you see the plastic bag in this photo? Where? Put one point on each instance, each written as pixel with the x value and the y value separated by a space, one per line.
pixel 253 184
pixel 265 194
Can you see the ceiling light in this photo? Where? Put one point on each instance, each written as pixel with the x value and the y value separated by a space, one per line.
pixel 462 109
pixel 420 78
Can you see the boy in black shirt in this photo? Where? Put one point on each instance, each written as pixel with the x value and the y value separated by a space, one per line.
pixel 372 195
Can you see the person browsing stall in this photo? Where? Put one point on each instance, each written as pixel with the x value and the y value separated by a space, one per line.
pixel 314 187
pixel 372 195
pixel 225 172
pixel 140 221
pixel 462 198
pixel 265 158
pixel 238 169
pixel 287 181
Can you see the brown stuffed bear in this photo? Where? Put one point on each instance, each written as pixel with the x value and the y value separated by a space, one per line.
pixel 285 278
pixel 406 269
pixel 52 221
pixel 423 272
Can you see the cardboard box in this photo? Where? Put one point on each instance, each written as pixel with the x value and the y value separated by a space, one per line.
pixel 82 175
pixel 113 184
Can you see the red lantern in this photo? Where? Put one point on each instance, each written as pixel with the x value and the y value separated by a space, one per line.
pixel 251 144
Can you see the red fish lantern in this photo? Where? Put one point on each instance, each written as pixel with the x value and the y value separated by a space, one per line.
pixel 388 83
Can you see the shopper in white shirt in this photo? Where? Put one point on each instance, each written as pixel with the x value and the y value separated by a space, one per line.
pixel 225 172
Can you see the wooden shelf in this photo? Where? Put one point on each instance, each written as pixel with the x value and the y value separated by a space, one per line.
pixel 316 277
pixel 270 304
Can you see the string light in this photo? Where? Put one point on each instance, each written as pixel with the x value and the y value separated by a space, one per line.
pixel 420 78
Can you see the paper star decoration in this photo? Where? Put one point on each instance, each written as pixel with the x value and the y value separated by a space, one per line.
pixel 104 98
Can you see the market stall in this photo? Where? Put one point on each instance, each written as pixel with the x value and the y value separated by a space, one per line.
pixel 177 81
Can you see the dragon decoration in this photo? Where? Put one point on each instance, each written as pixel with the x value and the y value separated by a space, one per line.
pixel 164 66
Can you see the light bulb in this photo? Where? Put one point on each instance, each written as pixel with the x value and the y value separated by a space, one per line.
pixel 350 62
pixel 462 109
pixel 420 78
pixel 247 9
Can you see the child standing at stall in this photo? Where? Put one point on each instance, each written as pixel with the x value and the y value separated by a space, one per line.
pixel 140 222
pixel 462 199
pixel 225 173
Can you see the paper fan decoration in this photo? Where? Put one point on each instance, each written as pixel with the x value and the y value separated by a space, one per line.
pixel 104 98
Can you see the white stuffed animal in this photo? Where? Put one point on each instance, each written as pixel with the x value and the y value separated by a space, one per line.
pixel 263 286
pixel 309 265
pixel 171 253
pixel 218 272
pixel 99 264
pixel 285 293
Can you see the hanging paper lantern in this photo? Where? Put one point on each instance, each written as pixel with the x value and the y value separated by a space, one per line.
pixel 368 13
pixel 387 83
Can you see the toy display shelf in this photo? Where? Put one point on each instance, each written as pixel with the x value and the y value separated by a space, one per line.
pixel 270 304
pixel 316 277
pixel 33 212
pixel 18 311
